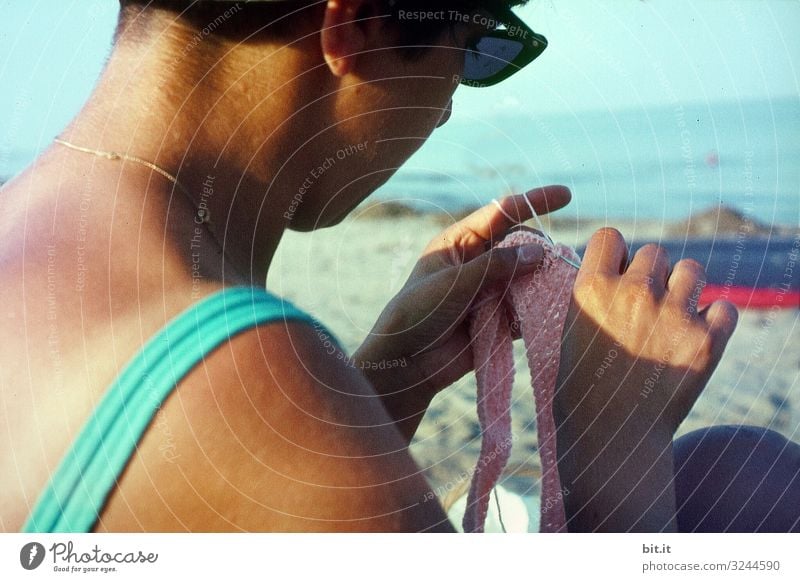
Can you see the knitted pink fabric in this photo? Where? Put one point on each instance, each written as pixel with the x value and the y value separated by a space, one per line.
pixel 538 303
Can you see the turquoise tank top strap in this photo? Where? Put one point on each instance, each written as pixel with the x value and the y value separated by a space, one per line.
pixel 77 492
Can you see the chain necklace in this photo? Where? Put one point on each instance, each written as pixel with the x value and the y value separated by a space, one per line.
pixel 203 215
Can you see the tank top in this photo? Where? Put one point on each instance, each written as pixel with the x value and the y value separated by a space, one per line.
pixel 76 493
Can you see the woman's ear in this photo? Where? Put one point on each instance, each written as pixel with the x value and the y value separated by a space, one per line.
pixel 344 33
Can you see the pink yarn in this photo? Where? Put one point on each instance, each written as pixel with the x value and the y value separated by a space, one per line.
pixel 539 302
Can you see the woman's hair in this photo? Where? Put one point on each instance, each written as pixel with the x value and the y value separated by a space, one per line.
pixel 238 20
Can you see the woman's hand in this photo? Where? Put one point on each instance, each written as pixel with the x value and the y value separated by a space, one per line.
pixel 421 343
pixel 636 355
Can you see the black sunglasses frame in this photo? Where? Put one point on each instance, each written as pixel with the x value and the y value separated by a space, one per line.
pixel 515 30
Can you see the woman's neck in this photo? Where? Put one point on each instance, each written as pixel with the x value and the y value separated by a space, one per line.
pixel 192 118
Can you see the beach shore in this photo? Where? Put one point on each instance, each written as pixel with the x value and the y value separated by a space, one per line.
pixel 345 275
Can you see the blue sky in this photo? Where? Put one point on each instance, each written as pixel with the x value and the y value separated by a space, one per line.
pixel 630 53
pixel 602 55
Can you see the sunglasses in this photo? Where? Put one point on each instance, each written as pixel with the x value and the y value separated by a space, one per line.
pixel 507 47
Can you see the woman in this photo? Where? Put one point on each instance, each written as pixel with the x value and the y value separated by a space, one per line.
pixel 220 113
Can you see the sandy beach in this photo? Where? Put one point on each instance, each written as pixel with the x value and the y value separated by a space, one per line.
pixel 345 275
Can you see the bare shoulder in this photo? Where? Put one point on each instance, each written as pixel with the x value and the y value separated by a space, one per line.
pixel 273 432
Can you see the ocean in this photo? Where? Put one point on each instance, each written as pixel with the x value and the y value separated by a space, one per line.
pixel 655 163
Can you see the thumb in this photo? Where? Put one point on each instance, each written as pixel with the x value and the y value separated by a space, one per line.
pixel 496 265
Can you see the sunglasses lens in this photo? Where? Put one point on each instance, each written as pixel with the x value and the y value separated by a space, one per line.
pixel 491 55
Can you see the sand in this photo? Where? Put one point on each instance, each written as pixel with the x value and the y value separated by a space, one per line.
pixel 345 275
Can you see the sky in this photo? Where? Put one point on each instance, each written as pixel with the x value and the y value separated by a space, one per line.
pixel 613 54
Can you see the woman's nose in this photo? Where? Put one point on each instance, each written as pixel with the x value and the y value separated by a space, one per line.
pixel 445 114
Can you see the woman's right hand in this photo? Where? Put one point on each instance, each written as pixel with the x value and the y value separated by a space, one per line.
pixel 636 355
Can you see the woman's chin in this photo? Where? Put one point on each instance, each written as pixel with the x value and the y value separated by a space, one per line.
pixel 324 221
pixel 328 217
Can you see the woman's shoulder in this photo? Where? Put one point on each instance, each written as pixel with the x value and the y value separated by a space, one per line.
pixel 272 432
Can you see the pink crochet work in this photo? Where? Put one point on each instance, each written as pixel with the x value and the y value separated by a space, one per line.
pixel 538 303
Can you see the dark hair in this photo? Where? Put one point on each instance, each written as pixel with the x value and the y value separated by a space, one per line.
pixel 278 18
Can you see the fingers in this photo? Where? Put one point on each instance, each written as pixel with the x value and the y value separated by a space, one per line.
pixel 605 253
pixel 721 318
pixel 466 239
pixel 499 264
pixel 651 262
pixel 452 291
pixel 544 200
pixel 512 210
pixel 491 221
pixel 685 285
pixel 686 282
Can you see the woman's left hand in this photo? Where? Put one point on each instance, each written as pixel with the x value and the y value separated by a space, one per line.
pixel 420 343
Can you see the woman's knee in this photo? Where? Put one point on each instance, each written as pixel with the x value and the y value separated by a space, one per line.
pixel 737 478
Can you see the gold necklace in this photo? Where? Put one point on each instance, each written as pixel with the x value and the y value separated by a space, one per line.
pixel 202 213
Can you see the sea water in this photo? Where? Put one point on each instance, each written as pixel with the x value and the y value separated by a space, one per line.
pixel 650 163
pixel 654 163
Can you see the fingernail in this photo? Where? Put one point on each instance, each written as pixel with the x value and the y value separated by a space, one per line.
pixel 529 253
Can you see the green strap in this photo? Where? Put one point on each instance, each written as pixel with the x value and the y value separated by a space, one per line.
pixel 89 470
